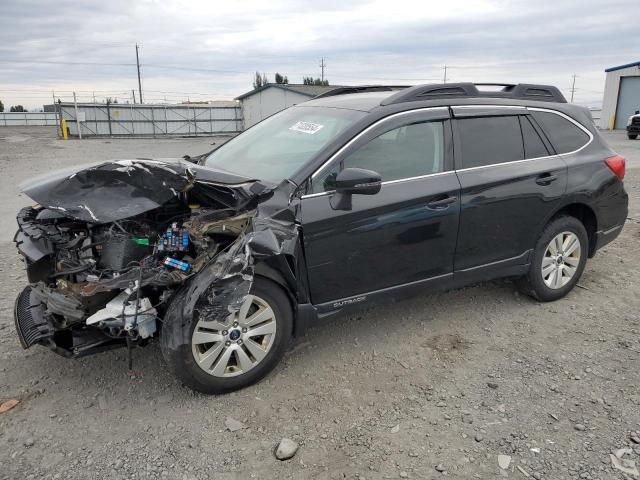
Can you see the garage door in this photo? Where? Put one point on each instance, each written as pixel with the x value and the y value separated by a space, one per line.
pixel 628 100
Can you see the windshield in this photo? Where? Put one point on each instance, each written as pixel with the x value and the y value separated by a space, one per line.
pixel 277 147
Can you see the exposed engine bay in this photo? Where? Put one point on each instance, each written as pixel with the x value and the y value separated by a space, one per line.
pixel 108 248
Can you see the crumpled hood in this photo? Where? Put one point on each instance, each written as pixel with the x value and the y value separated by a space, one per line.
pixel 113 190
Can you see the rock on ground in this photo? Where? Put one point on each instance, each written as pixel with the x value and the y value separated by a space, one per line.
pixel 286 449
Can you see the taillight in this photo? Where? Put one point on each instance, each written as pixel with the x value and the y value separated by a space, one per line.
pixel 616 165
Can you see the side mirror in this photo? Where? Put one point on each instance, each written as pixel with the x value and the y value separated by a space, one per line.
pixel 354 181
pixel 358 181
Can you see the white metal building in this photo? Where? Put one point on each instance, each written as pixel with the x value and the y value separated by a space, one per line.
pixel 621 95
pixel 263 102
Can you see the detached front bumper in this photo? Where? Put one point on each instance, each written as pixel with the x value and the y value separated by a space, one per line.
pixel 33 328
pixel 31 325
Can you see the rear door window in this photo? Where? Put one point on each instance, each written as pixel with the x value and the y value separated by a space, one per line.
pixel 490 140
pixel 564 135
pixel 533 144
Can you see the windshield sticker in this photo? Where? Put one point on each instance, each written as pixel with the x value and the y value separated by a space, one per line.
pixel 306 127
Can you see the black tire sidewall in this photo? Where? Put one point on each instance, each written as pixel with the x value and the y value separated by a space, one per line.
pixel 184 366
pixel 535 283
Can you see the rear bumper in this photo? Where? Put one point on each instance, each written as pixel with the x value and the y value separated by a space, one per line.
pixel 633 129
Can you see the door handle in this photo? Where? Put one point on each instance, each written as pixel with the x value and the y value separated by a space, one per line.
pixel 442 203
pixel 546 179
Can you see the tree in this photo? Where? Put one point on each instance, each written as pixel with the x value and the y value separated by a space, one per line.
pixel 1 106
pixel 17 108
pixel 281 79
pixel 260 80
pixel 314 81
pixel 257 80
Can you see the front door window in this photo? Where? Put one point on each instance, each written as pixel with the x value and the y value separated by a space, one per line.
pixel 405 152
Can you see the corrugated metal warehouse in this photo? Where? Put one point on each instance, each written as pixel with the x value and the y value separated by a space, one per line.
pixel 263 102
pixel 621 95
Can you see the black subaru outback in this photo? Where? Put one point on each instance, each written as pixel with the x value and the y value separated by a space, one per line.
pixel 354 197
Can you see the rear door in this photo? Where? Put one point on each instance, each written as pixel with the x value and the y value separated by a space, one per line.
pixel 511 181
pixel 405 233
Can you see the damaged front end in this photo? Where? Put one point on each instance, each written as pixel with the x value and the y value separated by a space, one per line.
pixel 119 251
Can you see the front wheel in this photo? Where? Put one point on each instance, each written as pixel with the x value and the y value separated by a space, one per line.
pixel 632 136
pixel 226 354
pixel 558 260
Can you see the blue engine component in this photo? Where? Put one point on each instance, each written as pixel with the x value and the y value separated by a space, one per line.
pixel 175 263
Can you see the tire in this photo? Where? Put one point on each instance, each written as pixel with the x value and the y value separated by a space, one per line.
pixel 541 282
pixel 632 136
pixel 189 361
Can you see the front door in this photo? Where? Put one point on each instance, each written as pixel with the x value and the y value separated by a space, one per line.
pixel 406 232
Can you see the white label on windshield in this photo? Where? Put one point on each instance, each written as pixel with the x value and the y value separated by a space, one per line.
pixel 306 127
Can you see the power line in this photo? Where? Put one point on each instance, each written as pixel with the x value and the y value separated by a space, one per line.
pixel 193 69
pixel 54 62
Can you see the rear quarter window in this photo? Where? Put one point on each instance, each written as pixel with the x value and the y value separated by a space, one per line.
pixel 564 135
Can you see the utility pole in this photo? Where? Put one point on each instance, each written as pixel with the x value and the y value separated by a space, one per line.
pixel 444 80
pixel 139 82
pixel 322 65
pixel 573 87
pixel 57 110
pixel 75 107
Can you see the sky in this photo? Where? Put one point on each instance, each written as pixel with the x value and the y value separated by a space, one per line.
pixel 210 50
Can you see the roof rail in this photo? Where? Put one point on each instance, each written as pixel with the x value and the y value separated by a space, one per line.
pixel 361 89
pixel 522 91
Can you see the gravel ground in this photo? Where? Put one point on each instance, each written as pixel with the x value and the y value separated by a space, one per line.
pixel 453 384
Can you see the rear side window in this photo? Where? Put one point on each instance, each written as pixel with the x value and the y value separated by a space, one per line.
pixel 563 134
pixel 533 145
pixel 490 140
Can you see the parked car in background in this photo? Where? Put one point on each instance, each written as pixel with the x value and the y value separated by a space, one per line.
pixel 633 126
pixel 358 196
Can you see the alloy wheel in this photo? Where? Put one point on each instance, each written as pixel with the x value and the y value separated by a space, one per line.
pixel 237 344
pixel 561 260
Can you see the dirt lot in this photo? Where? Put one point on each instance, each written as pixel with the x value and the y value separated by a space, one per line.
pixel 437 385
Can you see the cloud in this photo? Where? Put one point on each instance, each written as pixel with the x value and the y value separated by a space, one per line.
pixel 212 48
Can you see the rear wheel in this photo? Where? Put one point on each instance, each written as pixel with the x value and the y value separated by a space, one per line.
pixel 632 136
pixel 558 260
pixel 226 354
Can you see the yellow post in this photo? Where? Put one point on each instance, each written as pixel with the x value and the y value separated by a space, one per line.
pixel 65 133
pixel 612 121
